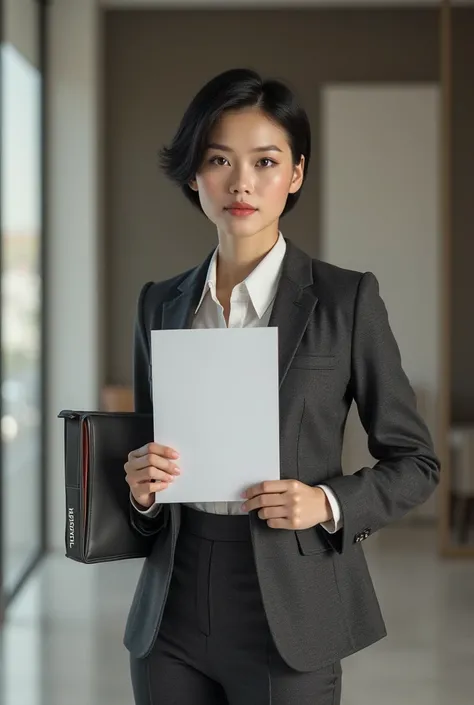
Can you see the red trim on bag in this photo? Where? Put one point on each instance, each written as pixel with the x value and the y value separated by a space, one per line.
pixel 85 468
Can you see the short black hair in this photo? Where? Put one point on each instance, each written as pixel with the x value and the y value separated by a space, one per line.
pixel 232 90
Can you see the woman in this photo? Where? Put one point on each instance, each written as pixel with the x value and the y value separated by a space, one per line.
pixel 256 602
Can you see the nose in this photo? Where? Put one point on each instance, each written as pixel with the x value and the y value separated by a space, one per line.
pixel 241 182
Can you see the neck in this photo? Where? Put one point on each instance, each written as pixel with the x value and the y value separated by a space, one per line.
pixel 238 257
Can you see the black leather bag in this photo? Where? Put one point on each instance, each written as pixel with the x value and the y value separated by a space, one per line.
pixel 97 445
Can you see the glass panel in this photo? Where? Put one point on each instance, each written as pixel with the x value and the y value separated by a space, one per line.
pixel 21 312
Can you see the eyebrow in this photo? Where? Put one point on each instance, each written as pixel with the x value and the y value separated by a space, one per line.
pixel 225 148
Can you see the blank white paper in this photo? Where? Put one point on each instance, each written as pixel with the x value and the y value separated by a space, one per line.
pixel 216 401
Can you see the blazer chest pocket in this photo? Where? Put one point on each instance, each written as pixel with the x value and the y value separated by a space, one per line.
pixel 311 541
pixel 314 362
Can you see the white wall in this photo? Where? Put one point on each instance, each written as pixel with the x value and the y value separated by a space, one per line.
pixel 73 336
pixel 381 214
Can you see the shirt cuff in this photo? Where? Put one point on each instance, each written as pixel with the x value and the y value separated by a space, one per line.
pixel 152 512
pixel 336 522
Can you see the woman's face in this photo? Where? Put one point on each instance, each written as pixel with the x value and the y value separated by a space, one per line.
pixel 248 160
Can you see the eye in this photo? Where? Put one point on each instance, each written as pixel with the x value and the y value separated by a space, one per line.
pixel 219 161
pixel 266 162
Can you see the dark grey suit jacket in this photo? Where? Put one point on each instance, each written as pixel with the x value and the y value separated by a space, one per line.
pixel 335 345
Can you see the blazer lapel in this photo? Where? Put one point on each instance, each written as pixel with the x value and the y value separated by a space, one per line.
pixel 294 303
pixel 178 310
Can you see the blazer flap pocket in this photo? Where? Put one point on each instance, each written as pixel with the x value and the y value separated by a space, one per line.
pixel 314 362
pixel 312 541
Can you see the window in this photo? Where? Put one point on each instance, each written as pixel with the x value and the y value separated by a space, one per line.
pixel 21 482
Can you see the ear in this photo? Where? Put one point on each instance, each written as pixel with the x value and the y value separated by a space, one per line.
pixel 298 174
pixel 193 185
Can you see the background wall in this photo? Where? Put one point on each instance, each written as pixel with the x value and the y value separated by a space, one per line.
pixel 156 60
pixel 380 192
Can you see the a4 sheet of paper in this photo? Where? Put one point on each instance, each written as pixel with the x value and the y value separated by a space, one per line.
pixel 216 401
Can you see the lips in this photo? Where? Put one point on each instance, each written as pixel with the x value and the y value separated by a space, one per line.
pixel 241 204
pixel 240 208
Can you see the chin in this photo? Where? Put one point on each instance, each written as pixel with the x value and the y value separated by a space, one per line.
pixel 242 228
pixel 243 231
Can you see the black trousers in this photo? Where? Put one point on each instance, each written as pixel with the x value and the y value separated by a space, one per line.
pixel 214 646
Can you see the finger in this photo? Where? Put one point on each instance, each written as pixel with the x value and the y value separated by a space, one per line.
pixel 266 487
pixel 151 474
pixel 265 500
pixel 143 497
pixel 156 461
pixel 145 485
pixel 160 486
pixel 280 524
pixel 154 448
pixel 273 513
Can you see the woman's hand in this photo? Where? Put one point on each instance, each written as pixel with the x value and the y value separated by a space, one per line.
pixel 288 504
pixel 150 469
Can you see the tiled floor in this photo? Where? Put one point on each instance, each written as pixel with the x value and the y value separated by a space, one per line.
pixel 62 644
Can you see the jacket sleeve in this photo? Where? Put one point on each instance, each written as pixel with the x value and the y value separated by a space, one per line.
pixel 407 470
pixel 144 525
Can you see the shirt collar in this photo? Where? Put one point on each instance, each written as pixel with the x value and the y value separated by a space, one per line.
pixel 261 283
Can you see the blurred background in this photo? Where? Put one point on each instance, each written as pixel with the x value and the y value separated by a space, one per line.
pixel 90 90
